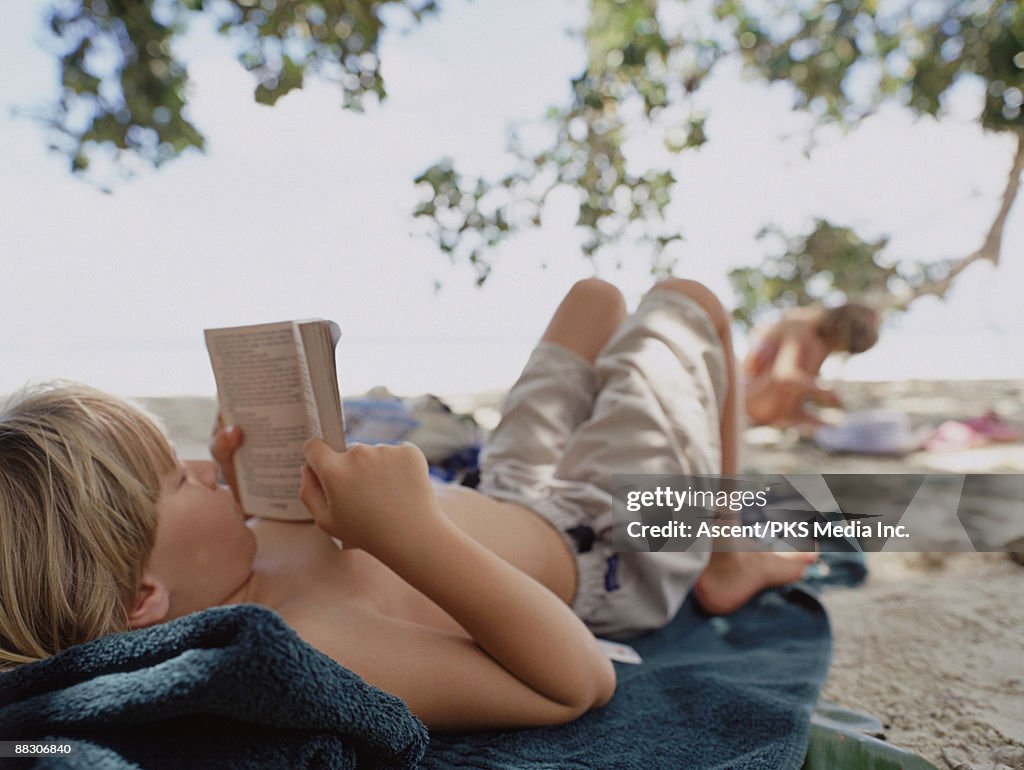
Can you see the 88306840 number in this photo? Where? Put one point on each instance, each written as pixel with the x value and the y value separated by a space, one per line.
pixel 35 748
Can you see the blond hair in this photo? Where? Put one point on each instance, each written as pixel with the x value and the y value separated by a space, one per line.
pixel 79 480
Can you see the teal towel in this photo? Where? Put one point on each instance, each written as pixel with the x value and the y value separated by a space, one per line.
pixel 235 688
pixel 725 693
pixel 229 687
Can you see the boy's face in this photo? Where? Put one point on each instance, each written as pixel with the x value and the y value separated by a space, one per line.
pixel 203 551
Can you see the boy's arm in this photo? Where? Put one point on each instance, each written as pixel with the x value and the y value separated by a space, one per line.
pixel 445 678
pixel 534 662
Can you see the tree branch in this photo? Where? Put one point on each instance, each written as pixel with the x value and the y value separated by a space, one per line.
pixel 994 240
pixel 991 247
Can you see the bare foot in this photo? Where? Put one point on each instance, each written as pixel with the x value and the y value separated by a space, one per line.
pixel 732 578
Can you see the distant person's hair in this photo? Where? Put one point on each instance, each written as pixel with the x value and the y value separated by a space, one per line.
pixel 850 328
pixel 79 481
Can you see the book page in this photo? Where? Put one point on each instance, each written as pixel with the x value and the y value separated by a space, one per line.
pixel 320 338
pixel 260 388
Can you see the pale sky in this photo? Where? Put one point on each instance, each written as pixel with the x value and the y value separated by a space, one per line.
pixel 303 210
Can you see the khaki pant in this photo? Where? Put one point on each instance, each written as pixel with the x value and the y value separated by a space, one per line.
pixel 649 404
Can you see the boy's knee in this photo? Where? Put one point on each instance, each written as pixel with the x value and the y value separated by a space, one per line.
pixel 703 296
pixel 595 292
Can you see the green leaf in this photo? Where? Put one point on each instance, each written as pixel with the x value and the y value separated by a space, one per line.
pixel 139 75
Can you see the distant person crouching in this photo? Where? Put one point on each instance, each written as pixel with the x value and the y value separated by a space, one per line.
pixel 781 368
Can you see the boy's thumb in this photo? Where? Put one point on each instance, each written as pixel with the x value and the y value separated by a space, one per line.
pixel 316 452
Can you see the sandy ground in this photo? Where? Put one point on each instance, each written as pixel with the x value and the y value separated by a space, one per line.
pixel 932 644
pixel 927 404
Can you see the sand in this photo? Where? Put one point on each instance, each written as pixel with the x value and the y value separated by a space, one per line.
pixel 932 644
pixel 927 403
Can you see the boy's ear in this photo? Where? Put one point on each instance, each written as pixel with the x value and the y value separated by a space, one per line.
pixel 152 603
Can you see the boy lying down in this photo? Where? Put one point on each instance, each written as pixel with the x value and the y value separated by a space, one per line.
pixel 475 607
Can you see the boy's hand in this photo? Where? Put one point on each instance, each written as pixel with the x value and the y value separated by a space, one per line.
pixel 223 445
pixel 370 497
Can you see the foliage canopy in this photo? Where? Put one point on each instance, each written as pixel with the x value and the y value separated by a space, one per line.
pixel 124 89
pixel 124 92
pixel 645 65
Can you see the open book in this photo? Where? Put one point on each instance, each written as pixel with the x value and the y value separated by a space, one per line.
pixel 277 382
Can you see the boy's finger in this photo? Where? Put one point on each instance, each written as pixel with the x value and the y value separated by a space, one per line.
pixel 225 442
pixel 232 436
pixel 312 493
pixel 317 453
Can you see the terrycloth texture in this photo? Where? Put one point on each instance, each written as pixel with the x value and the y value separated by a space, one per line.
pixel 713 693
pixel 230 687
pixel 234 687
